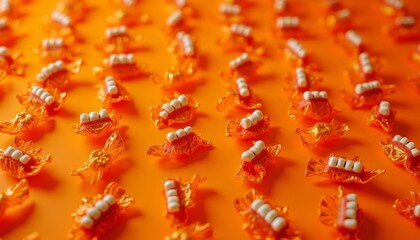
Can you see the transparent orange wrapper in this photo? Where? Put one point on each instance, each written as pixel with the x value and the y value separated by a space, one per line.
pixel 306 62
pixel 255 170
pixel 108 99
pixel 356 75
pixel 77 10
pixel 257 226
pixel 12 10
pixel 393 11
pixel 179 116
pixel 189 60
pixel 369 98
pixel 233 98
pixel 414 82
pixel 8 33
pixel 61 78
pixel 230 18
pixel 286 33
pixel 99 127
pixel 67 32
pixel 291 86
pixel 26 121
pixel 337 24
pixel 322 169
pixel 233 42
pixel 10 64
pixel 107 220
pixel 407 207
pixel 195 231
pixel 19 165
pixel 186 190
pixel 401 156
pixel 316 109
pixel 121 71
pixel 234 129
pixel 31 99
pixel 124 43
pixel 176 77
pixel 178 20
pixel 402 33
pixel 350 47
pixel 331 210
pixel 14 195
pixel 65 53
pixel 247 70
pixel 322 132
pixel 101 160
pixel 181 147
pixel 385 122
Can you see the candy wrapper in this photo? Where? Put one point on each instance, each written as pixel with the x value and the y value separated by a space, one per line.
pixel 22 160
pixel 289 27
pixel 179 144
pixel 112 92
pixel 238 38
pixel 10 10
pixel 251 127
pixel 339 21
pixel 57 74
pixel 8 34
pixel 403 153
pixel 256 160
pixel 26 121
pixel 343 213
pixel 352 42
pixel 382 116
pixel 177 21
pixel 176 77
pixel 409 207
pixel 10 63
pixel 193 231
pixel 393 8
pixel 339 169
pixel 179 110
pixel 101 160
pixel 127 13
pixel 404 28
pixel 239 95
pixel 14 195
pixel 97 215
pixel 180 195
pixel 365 68
pixel 118 40
pixel 230 12
pixel 51 99
pixel 60 25
pixel 121 66
pixel 301 81
pixel 96 124
pixel 297 55
pixel 184 51
pixel 241 66
pixel 322 132
pixel 54 49
pixel 263 220
pixel 368 94
pixel 76 10
pixel 313 105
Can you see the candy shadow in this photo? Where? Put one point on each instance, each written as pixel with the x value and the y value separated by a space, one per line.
pixel 198 214
pixel 15 217
pixel 172 163
pixel 38 132
pixel 71 85
pixel 63 112
pixel 99 142
pixel 339 143
pixel 126 107
pixel 187 87
pixel 43 180
pixel 402 128
pixel 197 116
pixel 120 225
pixel 369 229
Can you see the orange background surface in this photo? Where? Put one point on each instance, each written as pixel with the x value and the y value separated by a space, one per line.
pixel 55 194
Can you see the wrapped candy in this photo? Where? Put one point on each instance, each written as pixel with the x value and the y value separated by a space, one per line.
pixel 238 37
pixel 193 231
pixel 409 207
pixel 393 8
pixel 21 160
pixel 112 92
pixel 263 220
pixel 121 66
pixel 14 195
pixel 10 63
pixel 301 81
pixel 256 160
pixel 339 21
pixel 339 169
pixel 176 77
pixel 368 94
pixel 98 214
pixel 330 6
pixel 404 28
pixel 230 12
pixel 61 25
pixel 297 55
pixel 76 10
pixel 343 213
pixel 180 195
pixel 281 7
pixel 403 153
pixel 239 95
pixel 8 35
pixel 382 116
pixel 57 74
pixel 352 42
pixel 251 127
pixel 289 27
pixel 179 144
pixel 10 10
pixel 51 99
pixel 96 124
pixel 365 69
pixel 118 40
pixel 322 132
pixel 313 105
pixel 242 66
pixel 177 21
pixel 185 51
pixel 179 110
pixel 26 121
pixel 101 160
pixel 54 49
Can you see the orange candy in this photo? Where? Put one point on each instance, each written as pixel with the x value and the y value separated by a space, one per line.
pixel 112 92
pixel 57 74
pixel 53 49
pixel 409 207
pixel 8 35
pixel 121 66
pixel 339 21
pixel 177 77
pixel 365 68
pixel 119 40
pixel 403 28
pixel 10 63
pixel 238 38
pixel 368 94
pixel 251 127
pixel 238 95
pixel 242 66
pixel 26 121
pixel 322 132
pixel 96 125
pixel 382 116
pixel 313 105
pixel 14 195
pixel 193 231
pixel 51 99
pixel 300 81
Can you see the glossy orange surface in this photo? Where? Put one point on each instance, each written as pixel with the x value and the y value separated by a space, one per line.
pixel 55 195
